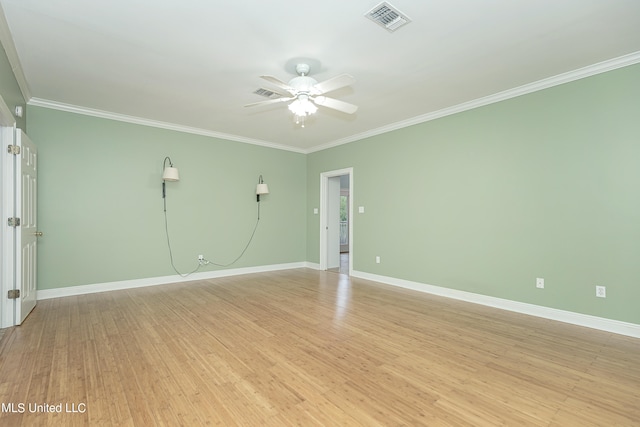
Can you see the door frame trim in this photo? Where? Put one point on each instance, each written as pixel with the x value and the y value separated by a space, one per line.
pixel 324 185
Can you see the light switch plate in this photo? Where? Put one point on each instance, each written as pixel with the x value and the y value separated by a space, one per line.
pixel 360 209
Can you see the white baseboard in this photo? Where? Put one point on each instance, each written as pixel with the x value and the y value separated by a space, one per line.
pixel 600 323
pixel 163 280
pixel 312 265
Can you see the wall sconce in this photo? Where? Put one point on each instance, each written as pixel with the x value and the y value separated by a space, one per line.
pixel 261 188
pixel 169 173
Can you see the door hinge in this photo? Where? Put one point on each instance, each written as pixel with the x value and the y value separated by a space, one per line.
pixel 13 222
pixel 13 149
pixel 14 294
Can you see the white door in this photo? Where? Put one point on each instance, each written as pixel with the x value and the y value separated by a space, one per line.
pixel 344 221
pixel 27 239
pixel 327 244
pixel 6 242
pixel 333 222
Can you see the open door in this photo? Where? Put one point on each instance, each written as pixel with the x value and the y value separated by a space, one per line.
pixel 330 218
pixel 333 222
pixel 26 164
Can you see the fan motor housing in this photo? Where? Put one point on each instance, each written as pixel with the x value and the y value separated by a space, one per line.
pixel 303 83
pixel 302 69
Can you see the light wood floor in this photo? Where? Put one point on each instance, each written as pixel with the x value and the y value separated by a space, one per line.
pixel 344 264
pixel 304 347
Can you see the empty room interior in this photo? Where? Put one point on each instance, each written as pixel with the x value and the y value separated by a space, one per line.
pixel 353 213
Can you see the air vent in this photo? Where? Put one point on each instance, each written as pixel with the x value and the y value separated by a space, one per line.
pixel 267 93
pixel 387 17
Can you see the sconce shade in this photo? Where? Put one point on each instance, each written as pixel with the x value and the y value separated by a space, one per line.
pixel 170 174
pixel 262 189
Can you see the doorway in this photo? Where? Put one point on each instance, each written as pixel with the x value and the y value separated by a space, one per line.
pixel 336 221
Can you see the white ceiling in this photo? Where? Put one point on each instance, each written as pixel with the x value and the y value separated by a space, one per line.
pixel 193 64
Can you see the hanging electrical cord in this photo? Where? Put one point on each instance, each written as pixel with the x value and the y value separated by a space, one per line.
pixel 171 174
pixel 207 262
pixel 166 229
pixel 203 262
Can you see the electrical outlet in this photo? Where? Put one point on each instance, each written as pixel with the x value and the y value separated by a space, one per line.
pixel 540 283
pixel 601 291
pixel 201 258
pixel 377 260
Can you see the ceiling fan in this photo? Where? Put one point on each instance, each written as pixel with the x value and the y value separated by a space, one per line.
pixel 305 93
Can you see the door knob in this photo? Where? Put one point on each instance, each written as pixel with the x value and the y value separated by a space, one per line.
pixel 38 233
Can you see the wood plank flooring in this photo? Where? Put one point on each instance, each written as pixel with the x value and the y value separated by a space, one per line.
pixel 344 264
pixel 303 347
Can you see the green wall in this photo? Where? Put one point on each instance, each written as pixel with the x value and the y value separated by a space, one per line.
pixel 100 201
pixel 543 185
pixel 9 89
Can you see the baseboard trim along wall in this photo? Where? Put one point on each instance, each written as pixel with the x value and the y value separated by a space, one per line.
pixel 600 323
pixel 312 265
pixel 608 325
pixel 163 280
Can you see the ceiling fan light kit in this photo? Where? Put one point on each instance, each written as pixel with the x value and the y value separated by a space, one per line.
pixel 305 93
pixel 302 107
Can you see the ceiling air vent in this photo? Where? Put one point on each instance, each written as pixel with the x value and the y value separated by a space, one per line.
pixel 267 93
pixel 387 17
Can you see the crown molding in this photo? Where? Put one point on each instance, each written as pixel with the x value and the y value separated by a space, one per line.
pixel 6 39
pixel 70 108
pixel 581 73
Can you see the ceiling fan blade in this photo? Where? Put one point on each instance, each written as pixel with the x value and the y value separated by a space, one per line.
pixel 270 101
pixel 276 81
pixel 333 83
pixel 345 107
